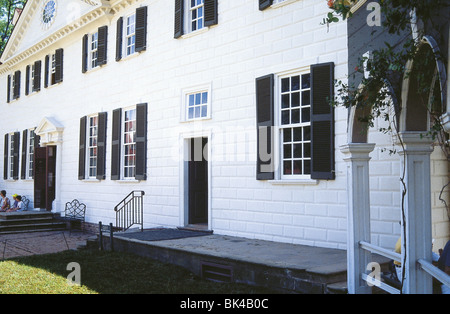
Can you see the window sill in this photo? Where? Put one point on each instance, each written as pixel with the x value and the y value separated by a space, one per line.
pixel 128 181
pixel 133 55
pixel 280 4
pixel 91 180
pixel 195 120
pixel 295 182
pixel 195 33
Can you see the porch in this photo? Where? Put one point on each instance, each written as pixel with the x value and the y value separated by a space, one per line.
pixel 290 268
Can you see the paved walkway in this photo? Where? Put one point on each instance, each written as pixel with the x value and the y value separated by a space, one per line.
pixel 25 244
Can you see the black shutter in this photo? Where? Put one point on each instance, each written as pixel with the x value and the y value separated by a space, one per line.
pixel 5 158
pixel 16 88
pixel 23 173
pixel 46 70
pixel 37 140
pixel 82 149
pixel 141 29
pixel 27 80
pixel 265 122
pixel 59 56
pixel 8 97
pixel 115 149
pixel 37 76
pixel 211 12
pixel 101 146
pixel 264 4
pixel 16 155
pixel 119 39
pixel 179 18
pixel 322 122
pixel 141 142
pixel 84 54
pixel 102 45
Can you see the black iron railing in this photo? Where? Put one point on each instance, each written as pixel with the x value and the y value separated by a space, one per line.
pixel 130 211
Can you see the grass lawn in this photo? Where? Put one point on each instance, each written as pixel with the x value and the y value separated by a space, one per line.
pixel 106 273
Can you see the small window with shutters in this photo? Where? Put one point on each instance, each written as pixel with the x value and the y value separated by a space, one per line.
pixel 28 145
pixel 54 68
pixel 92 147
pixel 131 33
pixel 129 143
pixel 192 16
pixel 11 156
pixel 95 49
pixel 295 125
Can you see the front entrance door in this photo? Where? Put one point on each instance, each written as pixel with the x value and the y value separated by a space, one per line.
pixel 198 181
pixel 44 176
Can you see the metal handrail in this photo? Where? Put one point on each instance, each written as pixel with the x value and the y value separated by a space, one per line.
pixel 379 250
pixel 130 211
pixel 434 272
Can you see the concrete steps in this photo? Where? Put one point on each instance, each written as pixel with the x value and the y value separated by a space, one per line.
pixel 30 221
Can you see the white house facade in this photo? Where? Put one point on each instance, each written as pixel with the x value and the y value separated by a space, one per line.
pixel 217 110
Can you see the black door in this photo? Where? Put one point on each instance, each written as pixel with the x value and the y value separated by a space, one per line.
pixel 44 176
pixel 198 181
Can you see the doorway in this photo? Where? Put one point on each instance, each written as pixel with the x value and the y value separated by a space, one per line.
pixel 44 177
pixel 198 183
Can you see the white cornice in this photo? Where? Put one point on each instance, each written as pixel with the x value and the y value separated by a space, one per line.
pixel 9 59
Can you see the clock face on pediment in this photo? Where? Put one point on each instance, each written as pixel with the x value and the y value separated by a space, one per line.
pixel 48 13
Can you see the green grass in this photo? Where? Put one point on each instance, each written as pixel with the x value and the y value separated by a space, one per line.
pixel 106 273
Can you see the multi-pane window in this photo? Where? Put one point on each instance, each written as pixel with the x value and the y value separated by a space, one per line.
pixel 197 105
pixel 130 32
pixel 11 156
pixel 92 146
pixel 295 125
pixel 94 50
pixel 30 152
pixel 129 144
pixel 196 14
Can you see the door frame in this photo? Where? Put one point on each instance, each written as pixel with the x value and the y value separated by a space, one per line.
pixel 185 139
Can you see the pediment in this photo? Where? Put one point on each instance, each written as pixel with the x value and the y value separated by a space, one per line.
pixel 31 32
pixel 50 131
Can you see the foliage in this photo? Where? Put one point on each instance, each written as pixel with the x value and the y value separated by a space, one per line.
pixel 7 8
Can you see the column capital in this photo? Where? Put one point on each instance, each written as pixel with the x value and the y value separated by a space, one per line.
pixel 357 151
pixel 414 142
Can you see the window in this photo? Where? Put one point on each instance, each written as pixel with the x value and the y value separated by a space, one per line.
pixel 92 146
pixel 30 153
pixel 54 68
pixel 295 125
pixel 11 161
pixel 94 50
pixel 13 88
pixel 129 144
pixel 130 34
pixel 264 4
pixel 92 134
pixel 194 15
pixel 196 103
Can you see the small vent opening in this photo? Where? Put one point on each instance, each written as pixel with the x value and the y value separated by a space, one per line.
pixel 217 272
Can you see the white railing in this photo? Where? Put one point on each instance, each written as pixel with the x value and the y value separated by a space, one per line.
pixel 425 265
pixel 434 271
pixel 383 252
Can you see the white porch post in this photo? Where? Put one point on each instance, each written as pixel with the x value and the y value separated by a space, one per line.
pixel 358 218
pixel 415 157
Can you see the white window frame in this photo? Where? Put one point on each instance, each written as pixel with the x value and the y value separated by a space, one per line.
pixel 279 141
pixel 185 108
pixel 129 33
pixel 52 72
pixel 32 70
pixel 11 87
pixel 279 3
pixel 10 156
pixel 90 146
pixel 188 19
pixel 30 154
pixel 93 50
pixel 124 169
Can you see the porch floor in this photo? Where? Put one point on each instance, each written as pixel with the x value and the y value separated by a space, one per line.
pixel 287 267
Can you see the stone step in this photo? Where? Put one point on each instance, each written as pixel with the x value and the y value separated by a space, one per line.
pixel 29 221
pixel 32 227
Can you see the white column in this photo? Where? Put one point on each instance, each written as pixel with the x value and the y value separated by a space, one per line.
pixel 415 157
pixel 358 218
